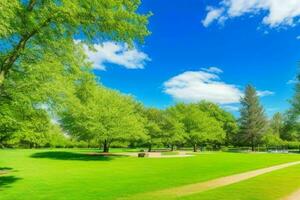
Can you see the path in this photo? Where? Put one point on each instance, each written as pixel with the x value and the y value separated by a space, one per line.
pixel 2 172
pixel 293 196
pixel 208 185
pixel 149 154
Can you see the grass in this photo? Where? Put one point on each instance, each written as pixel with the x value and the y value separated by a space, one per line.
pixel 271 186
pixel 72 175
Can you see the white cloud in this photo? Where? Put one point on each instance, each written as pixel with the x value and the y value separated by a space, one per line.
pixel 212 15
pixel 193 86
pixel 264 93
pixel 292 81
pixel 298 37
pixel 205 84
pixel 276 12
pixel 116 53
pixel 215 70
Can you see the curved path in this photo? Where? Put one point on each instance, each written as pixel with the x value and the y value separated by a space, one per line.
pixel 208 185
pixel 2 172
pixel 293 196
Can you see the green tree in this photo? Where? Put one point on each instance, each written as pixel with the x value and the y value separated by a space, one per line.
pixel 269 139
pixel 106 117
pixel 173 131
pixel 277 123
pixel 291 130
pixel 153 125
pixel 29 29
pixel 28 99
pixel 200 128
pixel 252 119
pixel 229 122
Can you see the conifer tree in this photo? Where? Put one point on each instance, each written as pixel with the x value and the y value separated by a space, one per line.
pixel 252 120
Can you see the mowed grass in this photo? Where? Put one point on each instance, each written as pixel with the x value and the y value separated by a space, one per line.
pixel 71 174
pixel 270 186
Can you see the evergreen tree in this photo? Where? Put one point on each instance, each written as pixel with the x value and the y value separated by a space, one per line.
pixel 252 120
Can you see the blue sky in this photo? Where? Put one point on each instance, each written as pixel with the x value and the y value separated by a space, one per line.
pixel 254 44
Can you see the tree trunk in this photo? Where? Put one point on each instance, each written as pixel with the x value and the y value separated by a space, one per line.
pixel 172 147
pixel 150 148
pixel 195 148
pixel 252 147
pixel 252 144
pixel 105 146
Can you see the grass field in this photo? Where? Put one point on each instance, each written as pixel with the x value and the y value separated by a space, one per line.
pixel 274 185
pixel 71 174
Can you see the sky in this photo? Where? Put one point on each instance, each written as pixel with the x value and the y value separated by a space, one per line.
pixel 208 50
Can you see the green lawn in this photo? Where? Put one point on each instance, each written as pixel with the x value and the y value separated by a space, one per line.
pixel 271 186
pixel 66 174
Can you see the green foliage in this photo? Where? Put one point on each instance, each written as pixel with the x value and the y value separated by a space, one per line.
pixel 43 70
pixel 32 95
pixel 228 121
pixel 271 140
pixel 173 131
pixel 291 129
pixel 199 127
pixel 30 29
pixel 154 120
pixel 252 120
pixel 106 117
pixel 277 123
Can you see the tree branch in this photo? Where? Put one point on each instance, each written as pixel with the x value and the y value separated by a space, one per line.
pixel 16 52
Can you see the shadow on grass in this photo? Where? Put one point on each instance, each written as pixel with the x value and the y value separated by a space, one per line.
pixel 5 168
pixel 62 155
pixel 6 181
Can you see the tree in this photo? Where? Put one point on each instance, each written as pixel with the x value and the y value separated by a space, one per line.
pixel 173 131
pixel 271 140
pixel 229 122
pixel 33 93
pixel 106 117
pixel 291 129
pixel 153 125
pixel 252 119
pixel 29 29
pixel 276 124
pixel 200 129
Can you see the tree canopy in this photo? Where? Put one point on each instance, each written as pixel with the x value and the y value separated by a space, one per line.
pixel 32 28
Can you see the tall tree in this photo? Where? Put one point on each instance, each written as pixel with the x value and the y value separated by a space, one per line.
pixel 31 92
pixel 252 119
pixel 29 29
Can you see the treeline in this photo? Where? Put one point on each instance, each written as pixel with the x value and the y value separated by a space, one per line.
pixel 82 113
